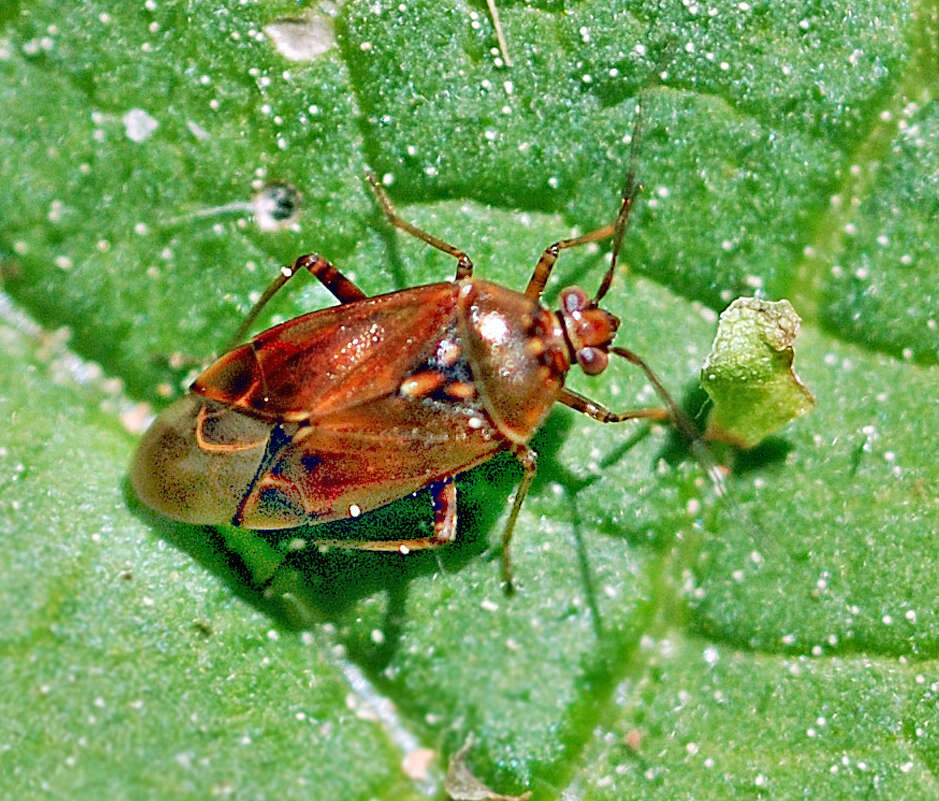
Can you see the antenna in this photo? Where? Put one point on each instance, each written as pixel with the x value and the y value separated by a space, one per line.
pixel 630 189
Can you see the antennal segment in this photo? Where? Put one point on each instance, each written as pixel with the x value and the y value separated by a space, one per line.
pixel 630 190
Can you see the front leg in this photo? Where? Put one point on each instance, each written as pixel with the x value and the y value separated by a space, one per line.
pixel 595 410
pixel 672 413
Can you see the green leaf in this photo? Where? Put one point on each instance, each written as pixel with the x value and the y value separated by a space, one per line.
pixel 662 642
pixel 748 373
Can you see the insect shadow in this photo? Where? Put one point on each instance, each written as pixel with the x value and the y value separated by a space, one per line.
pixel 297 584
pixel 772 450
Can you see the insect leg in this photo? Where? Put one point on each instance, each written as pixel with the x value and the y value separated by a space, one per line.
pixel 340 286
pixel 681 421
pixel 343 289
pixel 616 230
pixel 464 267
pixel 545 264
pixel 529 461
pixel 672 411
pixel 444 499
pixel 586 406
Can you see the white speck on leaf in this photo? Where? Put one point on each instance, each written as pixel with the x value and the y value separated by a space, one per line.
pixel 138 124
pixel 302 39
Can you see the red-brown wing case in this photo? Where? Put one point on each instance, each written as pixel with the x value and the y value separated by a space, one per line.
pixel 365 456
pixel 341 434
pixel 328 359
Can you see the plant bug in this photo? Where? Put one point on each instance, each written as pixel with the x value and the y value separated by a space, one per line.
pixel 348 408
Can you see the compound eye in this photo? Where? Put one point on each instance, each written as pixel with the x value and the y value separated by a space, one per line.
pixel 574 299
pixel 592 361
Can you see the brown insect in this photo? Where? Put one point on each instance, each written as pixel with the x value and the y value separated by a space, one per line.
pixel 348 408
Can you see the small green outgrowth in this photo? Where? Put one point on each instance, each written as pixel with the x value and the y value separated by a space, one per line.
pixel 748 373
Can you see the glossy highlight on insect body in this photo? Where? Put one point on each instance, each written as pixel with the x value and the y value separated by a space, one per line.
pixel 346 409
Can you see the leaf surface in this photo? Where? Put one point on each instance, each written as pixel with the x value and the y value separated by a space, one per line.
pixel 663 642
